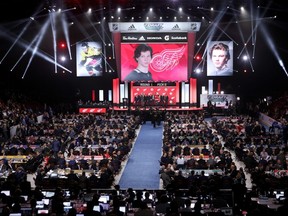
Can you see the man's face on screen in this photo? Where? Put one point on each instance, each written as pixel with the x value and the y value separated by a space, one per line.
pixel 219 58
pixel 144 59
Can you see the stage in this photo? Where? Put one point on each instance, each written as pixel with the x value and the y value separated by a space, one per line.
pixel 168 108
pixel 104 108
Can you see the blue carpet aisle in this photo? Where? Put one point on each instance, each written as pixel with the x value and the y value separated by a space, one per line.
pixel 142 168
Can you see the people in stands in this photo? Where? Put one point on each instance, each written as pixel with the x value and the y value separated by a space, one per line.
pixel 57 200
pixel 162 206
pixel 144 210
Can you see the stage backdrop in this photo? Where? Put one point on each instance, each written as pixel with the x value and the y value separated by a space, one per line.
pixel 156 89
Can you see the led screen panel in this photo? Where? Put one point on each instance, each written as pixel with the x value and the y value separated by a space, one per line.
pixel 168 62
pixel 220 58
pixel 89 59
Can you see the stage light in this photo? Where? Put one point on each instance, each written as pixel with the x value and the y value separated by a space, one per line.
pixel 63 58
pixel 198 57
pixel 62 45
pixel 245 57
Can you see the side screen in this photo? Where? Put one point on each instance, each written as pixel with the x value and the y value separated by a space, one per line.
pixel 89 59
pixel 220 58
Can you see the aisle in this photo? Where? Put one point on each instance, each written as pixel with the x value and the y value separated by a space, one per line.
pixel 142 168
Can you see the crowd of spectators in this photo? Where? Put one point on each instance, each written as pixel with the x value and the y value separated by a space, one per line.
pixel 263 150
pixel 46 140
pixel 52 140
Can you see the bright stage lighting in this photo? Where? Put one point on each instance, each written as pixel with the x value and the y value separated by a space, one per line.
pixel 63 58
pixel 198 57
pixel 245 57
pixel 62 45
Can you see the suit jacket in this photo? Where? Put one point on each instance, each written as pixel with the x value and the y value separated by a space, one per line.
pixel 3 168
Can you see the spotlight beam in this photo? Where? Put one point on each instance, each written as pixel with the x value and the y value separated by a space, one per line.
pixel 273 48
pixel 15 41
pixel 217 26
pixel 68 9
pixel 93 26
pixel 39 39
pixel 26 45
pixel 52 22
pixel 24 53
pixel 22 32
pixel 66 29
pixel 84 39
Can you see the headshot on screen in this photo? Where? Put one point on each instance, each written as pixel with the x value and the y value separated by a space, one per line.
pixel 143 56
pixel 220 62
pixel 89 59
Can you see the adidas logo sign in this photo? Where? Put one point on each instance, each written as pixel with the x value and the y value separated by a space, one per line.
pixel 176 27
pixel 141 38
pixel 132 27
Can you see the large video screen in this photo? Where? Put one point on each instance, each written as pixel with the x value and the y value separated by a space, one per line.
pixel 220 58
pixel 89 59
pixel 154 61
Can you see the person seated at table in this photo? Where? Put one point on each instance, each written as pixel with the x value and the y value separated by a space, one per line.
pixel 180 162
pixel 162 206
pixel 211 162
pixel 205 151
pixel 165 177
pixel 91 152
pixel 196 151
pixel 61 162
pixel 93 164
pixel 72 164
pixel 3 166
pixel 186 150
pixel 178 150
pixel 187 210
pixel 72 179
pixel 144 210
pixel 165 159
pixel 85 149
pixel 147 199
pixel 191 162
pixel 83 164
pixel 179 181
pixel 201 163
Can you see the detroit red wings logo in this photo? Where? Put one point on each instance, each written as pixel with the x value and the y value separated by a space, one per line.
pixel 167 59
